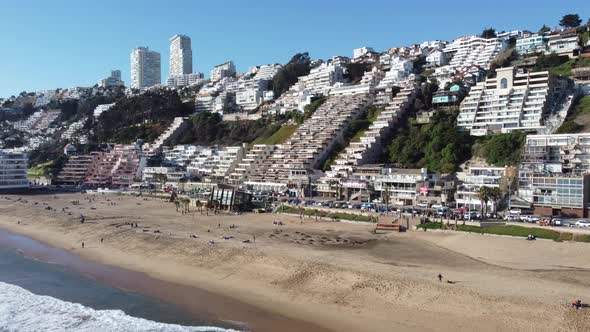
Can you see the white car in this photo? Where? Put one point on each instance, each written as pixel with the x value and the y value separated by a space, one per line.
pixel 423 204
pixel 582 223
pixel 436 206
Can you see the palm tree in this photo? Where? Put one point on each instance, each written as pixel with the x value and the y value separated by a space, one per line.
pixel 495 195
pixel 161 179
pixel 484 197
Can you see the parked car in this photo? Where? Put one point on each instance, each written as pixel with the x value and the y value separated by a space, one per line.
pixel 515 211
pixel 423 204
pixel 511 217
pixel 582 223
pixel 436 206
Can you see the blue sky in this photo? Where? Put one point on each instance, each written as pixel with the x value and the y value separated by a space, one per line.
pixel 65 43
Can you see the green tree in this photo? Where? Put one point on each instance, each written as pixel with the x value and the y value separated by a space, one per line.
pixel 356 70
pixel 299 65
pixel 570 21
pixel 503 149
pixel 544 29
pixel 484 195
pixel 495 194
pixel 439 145
pixel 488 33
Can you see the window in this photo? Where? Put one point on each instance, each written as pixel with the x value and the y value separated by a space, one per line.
pixel 503 83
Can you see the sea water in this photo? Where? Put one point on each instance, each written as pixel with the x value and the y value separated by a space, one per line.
pixel 37 296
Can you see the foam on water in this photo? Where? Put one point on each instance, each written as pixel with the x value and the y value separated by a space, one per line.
pixel 23 311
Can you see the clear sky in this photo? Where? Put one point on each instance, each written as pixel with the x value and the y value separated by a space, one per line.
pixel 65 43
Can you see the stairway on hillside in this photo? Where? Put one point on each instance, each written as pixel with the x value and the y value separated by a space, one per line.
pixel 175 128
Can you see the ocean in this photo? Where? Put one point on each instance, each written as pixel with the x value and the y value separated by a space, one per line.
pixel 39 296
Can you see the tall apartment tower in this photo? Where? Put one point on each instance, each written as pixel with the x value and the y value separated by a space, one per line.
pixel 145 68
pixel 181 56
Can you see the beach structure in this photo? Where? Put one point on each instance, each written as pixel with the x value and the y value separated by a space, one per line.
pixel 224 197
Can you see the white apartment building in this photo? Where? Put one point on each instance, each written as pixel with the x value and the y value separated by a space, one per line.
pixel 368 83
pixel 145 68
pixel 267 72
pixel 170 174
pixel 511 101
pixel 532 44
pixel 13 169
pixel 252 160
pixel 505 35
pixel 184 80
pixel 223 70
pixel 181 56
pixel 477 177
pixel 564 154
pixel 320 79
pixel 471 50
pixel 38 121
pixel 295 160
pixel 181 155
pixel 217 163
pixel 400 70
pixel 436 58
pixel 113 80
pixel 371 144
pixel 563 43
pixel 204 102
pixel 360 52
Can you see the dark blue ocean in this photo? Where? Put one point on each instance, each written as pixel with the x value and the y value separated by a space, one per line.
pixel 39 296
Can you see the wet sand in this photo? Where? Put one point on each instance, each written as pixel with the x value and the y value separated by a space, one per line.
pixel 338 276
pixel 214 309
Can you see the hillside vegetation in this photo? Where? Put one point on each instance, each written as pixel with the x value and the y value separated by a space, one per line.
pixel 439 146
pixel 140 117
pixel 501 149
pixel 276 136
pixel 578 120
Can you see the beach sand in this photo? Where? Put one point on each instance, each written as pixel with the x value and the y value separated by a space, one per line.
pixel 330 275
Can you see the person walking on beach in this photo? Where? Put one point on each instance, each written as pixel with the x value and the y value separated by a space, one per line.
pixel 439 277
pixel 101 240
pixel 82 245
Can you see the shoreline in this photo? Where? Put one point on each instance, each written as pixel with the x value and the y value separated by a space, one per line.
pixel 319 276
pixel 215 308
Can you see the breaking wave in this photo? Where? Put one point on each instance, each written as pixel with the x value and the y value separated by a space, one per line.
pixel 23 311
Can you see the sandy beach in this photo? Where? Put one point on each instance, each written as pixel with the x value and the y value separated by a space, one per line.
pixel 326 275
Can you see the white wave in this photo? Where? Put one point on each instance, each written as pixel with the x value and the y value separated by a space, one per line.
pixel 23 311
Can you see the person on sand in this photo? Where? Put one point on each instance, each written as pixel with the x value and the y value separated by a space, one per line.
pixel 101 240
pixel 440 277
pixel 82 245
